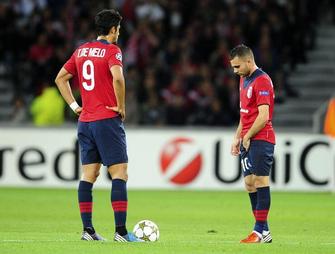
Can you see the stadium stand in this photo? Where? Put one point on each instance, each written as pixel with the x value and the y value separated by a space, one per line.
pixel 175 55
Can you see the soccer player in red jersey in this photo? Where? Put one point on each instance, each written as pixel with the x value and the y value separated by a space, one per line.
pixel 254 139
pixel 101 134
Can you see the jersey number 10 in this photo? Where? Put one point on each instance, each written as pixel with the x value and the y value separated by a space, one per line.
pixel 88 75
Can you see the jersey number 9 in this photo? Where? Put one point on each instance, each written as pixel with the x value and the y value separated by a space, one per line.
pixel 88 75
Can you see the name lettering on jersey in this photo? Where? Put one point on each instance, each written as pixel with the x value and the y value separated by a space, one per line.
pixel 243 110
pixel 91 52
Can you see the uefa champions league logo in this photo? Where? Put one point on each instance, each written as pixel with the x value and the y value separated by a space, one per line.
pixel 118 56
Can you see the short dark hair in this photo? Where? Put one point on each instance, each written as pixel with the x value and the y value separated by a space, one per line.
pixel 105 20
pixel 241 51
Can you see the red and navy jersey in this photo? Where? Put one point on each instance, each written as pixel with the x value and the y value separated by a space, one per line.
pixel 256 90
pixel 91 63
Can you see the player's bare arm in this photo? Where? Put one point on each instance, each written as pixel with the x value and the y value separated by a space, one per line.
pixel 119 90
pixel 235 146
pixel 62 82
pixel 260 122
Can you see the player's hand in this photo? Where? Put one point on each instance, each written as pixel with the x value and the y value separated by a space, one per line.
pixel 235 147
pixel 246 143
pixel 120 111
pixel 78 110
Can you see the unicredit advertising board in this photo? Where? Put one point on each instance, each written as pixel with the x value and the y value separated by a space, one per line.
pixel 165 159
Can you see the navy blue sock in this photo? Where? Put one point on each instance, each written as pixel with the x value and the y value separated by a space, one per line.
pixel 120 204
pixel 253 201
pixel 262 208
pixel 85 203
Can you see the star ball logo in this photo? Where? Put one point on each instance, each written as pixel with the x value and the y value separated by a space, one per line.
pixel 118 56
pixel 181 160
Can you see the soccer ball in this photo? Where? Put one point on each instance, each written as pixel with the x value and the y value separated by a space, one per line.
pixel 146 230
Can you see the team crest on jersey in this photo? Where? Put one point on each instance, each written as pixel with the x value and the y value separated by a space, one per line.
pixel 118 56
pixel 249 92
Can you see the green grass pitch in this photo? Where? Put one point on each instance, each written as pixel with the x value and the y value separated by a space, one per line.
pixel 47 221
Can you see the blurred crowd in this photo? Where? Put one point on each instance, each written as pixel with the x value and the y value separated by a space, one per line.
pixel 176 52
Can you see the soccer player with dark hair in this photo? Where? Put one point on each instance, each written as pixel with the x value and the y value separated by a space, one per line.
pixel 254 139
pixel 101 134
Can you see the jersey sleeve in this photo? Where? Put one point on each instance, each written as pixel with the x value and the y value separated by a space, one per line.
pixel 115 57
pixel 70 65
pixel 263 91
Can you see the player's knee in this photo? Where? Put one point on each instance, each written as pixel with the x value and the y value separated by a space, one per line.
pixel 249 184
pixel 89 178
pixel 120 175
pixel 250 187
pixel 261 181
pixel 124 177
pixel 118 171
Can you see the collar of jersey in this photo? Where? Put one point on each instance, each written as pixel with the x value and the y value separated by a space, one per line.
pixel 248 80
pixel 103 41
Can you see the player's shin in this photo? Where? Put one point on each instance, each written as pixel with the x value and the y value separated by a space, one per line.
pixel 262 209
pixel 119 203
pixel 85 200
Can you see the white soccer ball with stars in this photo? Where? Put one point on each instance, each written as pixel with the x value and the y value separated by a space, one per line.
pixel 146 230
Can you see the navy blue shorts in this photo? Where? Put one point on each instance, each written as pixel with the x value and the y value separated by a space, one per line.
pixel 258 159
pixel 102 141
